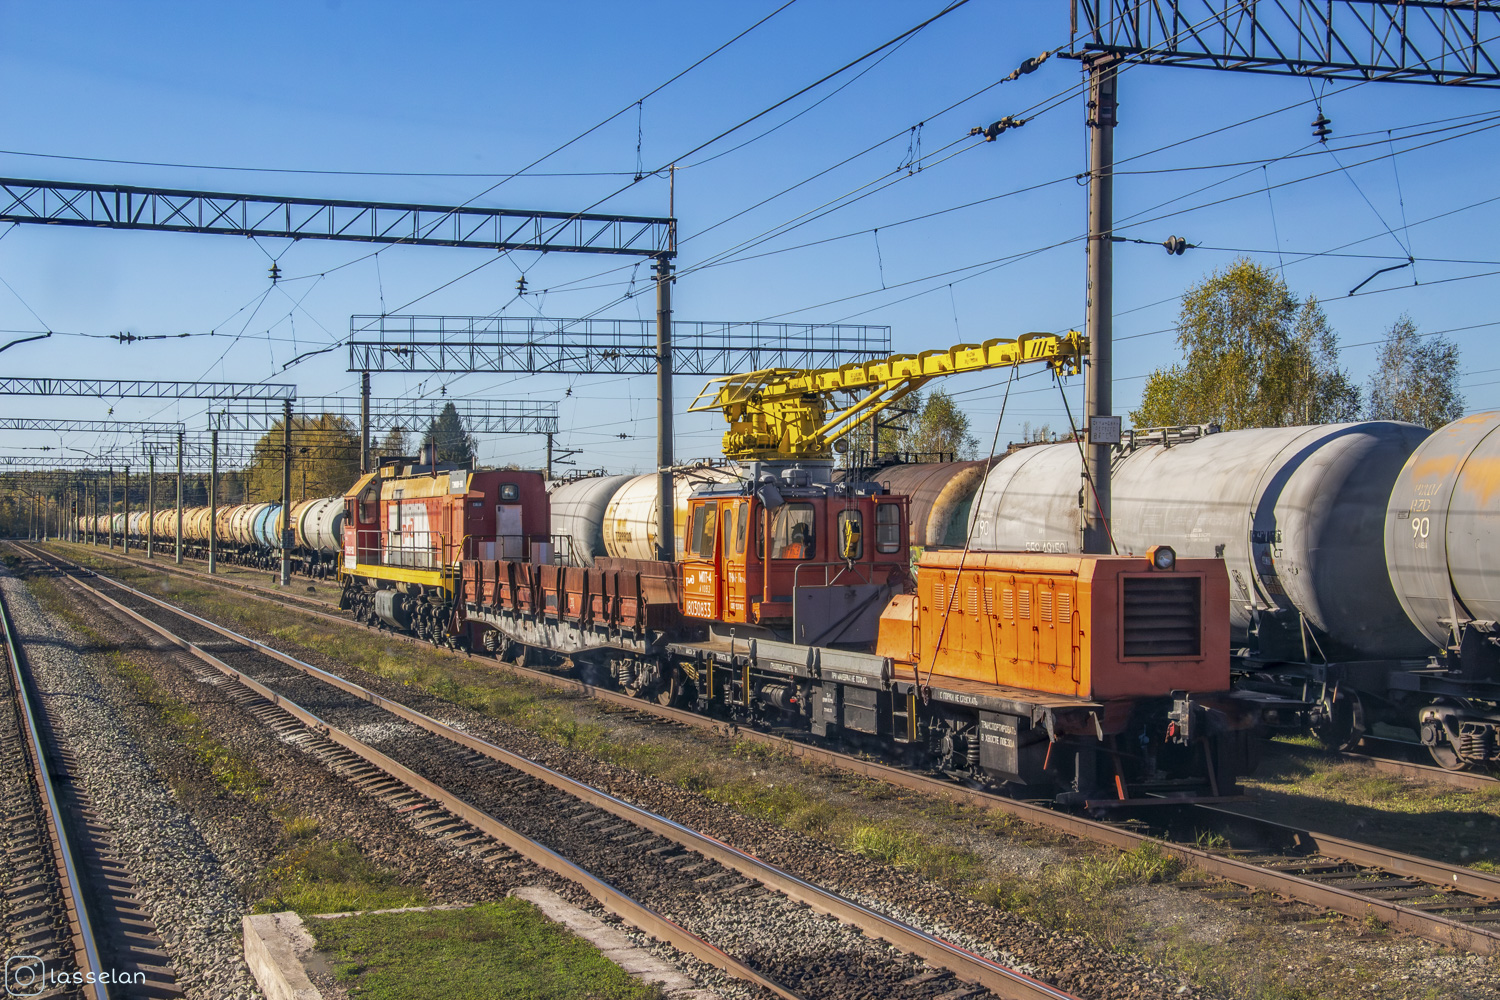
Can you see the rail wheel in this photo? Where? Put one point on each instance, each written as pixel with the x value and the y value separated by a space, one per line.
pixel 1447 758
pixel 669 690
pixel 1341 722
pixel 1444 754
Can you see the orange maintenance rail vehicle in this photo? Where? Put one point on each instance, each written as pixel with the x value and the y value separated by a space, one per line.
pixel 1096 627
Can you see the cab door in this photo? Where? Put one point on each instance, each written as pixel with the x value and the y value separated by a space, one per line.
pixel 701 595
pixel 736 582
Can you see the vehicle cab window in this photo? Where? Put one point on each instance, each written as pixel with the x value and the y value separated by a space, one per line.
pixel 794 532
pixel 851 540
pixel 888 528
pixel 705 526
pixel 734 528
pixel 369 503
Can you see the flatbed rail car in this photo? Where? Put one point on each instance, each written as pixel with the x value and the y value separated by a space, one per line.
pixel 1097 679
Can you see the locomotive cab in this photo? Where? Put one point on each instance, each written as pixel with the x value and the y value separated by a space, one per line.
pixel 790 558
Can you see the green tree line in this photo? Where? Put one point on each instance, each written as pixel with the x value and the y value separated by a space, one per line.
pixel 1254 354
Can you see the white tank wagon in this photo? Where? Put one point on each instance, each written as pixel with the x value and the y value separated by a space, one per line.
pixel 1296 513
pixel 320 525
pixel 1442 549
pixel 577 516
pixel 630 517
pixel 1298 516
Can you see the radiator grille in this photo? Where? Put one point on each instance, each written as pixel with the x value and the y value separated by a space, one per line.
pixel 989 601
pixel 1162 616
pixel 1065 608
pixel 1008 603
pixel 1044 601
pixel 938 596
pixel 1025 602
pixel 973 602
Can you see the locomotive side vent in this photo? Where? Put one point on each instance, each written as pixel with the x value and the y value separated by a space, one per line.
pixel 1162 616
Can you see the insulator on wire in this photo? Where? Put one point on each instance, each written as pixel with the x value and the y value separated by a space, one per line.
pixel 1176 245
pixel 993 130
pixel 1321 129
pixel 275 272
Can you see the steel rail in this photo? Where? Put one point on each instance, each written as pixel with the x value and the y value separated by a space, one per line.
pixel 1476 939
pixel 617 902
pixel 967 965
pixel 86 947
pixel 1468 880
pixel 1472 780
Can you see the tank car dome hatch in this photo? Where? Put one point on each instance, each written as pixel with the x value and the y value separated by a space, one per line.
pixel 1443 527
pixel 1297 514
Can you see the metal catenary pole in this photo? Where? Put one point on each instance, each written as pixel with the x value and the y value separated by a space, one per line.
pixel 125 524
pixel 665 547
pixel 1098 383
pixel 364 422
pixel 109 507
pixel 150 506
pixel 286 493
pixel 178 556
pixel 213 500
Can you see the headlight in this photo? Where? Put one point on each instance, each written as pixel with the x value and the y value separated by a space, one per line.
pixel 1162 556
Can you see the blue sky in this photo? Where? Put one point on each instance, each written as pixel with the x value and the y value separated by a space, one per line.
pixel 488 88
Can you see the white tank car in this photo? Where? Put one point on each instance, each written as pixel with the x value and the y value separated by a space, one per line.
pixel 1297 514
pixel 577 513
pixel 630 517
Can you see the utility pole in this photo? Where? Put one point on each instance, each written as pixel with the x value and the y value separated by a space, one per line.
pixel 1099 376
pixel 125 524
pixel 286 492
pixel 150 505
pixel 109 509
pixel 665 516
pixel 213 500
pixel 364 422
pixel 178 557
pixel 549 458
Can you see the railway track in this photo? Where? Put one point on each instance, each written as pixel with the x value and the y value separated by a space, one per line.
pixel 702 896
pixel 1386 764
pixel 74 927
pixel 1471 780
pixel 1456 906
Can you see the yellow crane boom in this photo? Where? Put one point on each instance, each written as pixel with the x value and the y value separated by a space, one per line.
pixel 783 413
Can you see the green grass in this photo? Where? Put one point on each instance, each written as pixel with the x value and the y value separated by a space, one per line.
pixel 1351 799
pixel 330 876
pixel 497 951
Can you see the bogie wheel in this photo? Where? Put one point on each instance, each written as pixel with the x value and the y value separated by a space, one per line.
pixel 1447 758
pixel 1343 721
pixel 670 691
pixel 1443 752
